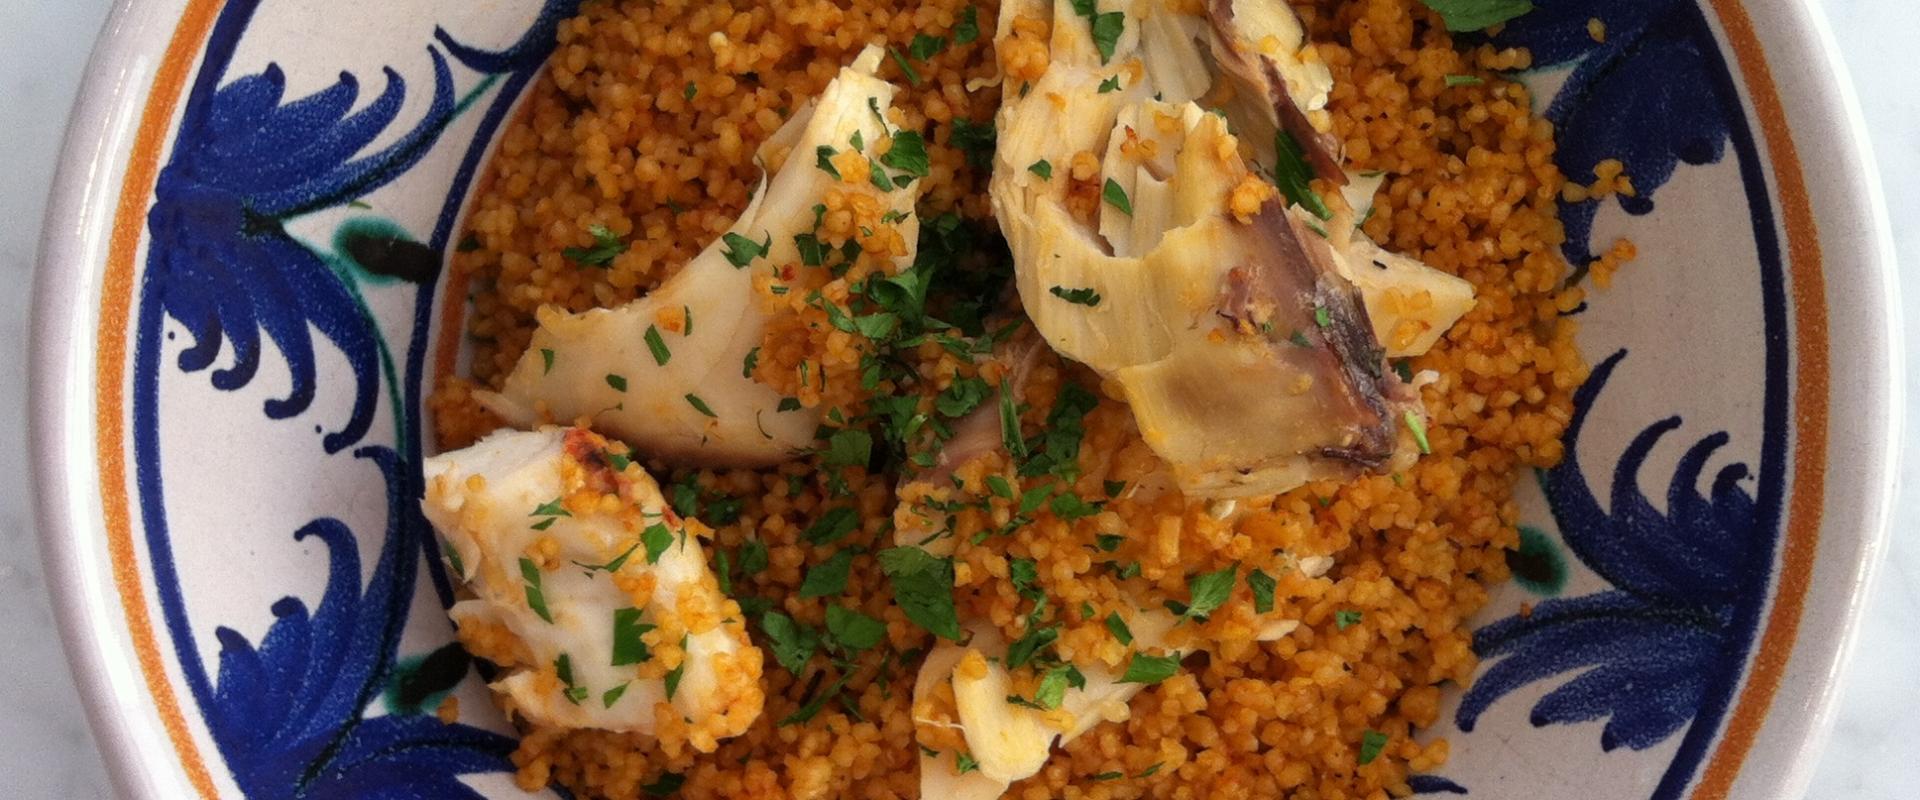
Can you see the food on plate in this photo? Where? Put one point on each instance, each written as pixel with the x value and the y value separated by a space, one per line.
pixel 1070 398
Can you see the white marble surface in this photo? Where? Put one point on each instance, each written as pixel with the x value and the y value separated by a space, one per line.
pixel 45 751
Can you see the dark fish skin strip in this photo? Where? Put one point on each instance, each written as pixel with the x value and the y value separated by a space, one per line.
pixel 1298 278
pixel 1322 149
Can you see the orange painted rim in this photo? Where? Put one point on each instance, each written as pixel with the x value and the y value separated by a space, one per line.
pixel 1809 397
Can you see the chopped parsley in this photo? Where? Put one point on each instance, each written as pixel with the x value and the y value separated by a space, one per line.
pixel 923 588
pixel 925 47
pixel 1108 542
pixel 1262 585
pixel 656 538
pixel 741 250
pixel 1300 340
pixel 1463 80
pixel 1322 317
pixel 1294 176
pixel 613 695
pixel 1143 668
pixel 968 29
pixel 964 763
pixel 1069 507
pixel 853 630
pixel 1110 85
pixel 699 405
pixel 1117 197
pixel 665 785
pixel 563 669
pixel 977 140
pixel 905 68
pixel 1475 15
pixel 690 91
pixel 1346 618
pixel 1109 776
pixel 673 678
pixel 747 364
pixel 792 643
pixel 829 577
pixel 848 447
pixel 1042 168
pixel 1371 744
pixel 1419 428
pixel 961 396
pixel 833 526
pixel 1010 422
pixel 546 361
pixel 1083 296
pixel 536 599
pixel 1207 592
pixel 1118 627
pixel 908 154
pixel 824 160
pixel 618 382
pixel 629 646
pixel 606 246
pixel 657 346
pixel 1026 647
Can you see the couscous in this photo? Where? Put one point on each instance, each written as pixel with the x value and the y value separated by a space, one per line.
pixel 852 469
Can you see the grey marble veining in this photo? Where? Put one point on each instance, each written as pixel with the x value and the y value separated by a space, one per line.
pixel 45 751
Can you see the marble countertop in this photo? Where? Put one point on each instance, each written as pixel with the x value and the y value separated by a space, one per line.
pixel 45 750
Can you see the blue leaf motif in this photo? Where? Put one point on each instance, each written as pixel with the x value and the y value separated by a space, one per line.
pixel 1641 654
pixel 288 715
pixel 220 260
pixel 1647 96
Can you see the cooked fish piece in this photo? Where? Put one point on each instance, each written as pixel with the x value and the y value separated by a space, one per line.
pixel 587 589
pixel 667 372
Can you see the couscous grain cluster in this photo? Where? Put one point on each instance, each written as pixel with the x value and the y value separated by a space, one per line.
pixel 646 123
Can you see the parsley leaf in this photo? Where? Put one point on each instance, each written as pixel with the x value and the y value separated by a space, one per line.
pixel 1346 618
pixel 961 397
pixel 792 643
pixel 1026 647
pixel 628 646
pixel 1208 592
pixel 673 677
pixel 1117 197
pixel 1293 175
pixel 657 346
pixel 657 539
pixel 618 382
pixel 1419 428
pixel 828 577
pixel 908 154
pixel 1118 627
pixel 1042 168
pixel 741 250
pixel 1474 15
pixel 925 47
pixel 923 588
pixel 536 599
pixel 752 360
pixel 1463 80
pixel 832 526
pixel 853 630
pixel 1107 28
pixel 546 360
pixel 968 29
pixel 1148 669
pixel 1110 85
pixel 1371 744
pixel 1085 296
pixel 606 247
pixel 1262 585
pixel 699 405
pixel 849 447
pixel 905 68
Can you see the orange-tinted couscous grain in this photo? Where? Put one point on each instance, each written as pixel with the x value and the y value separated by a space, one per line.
pixel 646 123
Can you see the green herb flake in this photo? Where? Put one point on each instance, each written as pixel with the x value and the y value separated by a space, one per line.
pixel 1110 85
pixel 629 646
pixel 546 361
pixel 1108 542
pixel 1109 776
pixel 878 177
pixel 997 484
pixel 1117 197
pixel 829 577
pixel 968 29
pixel 1294 176
pixel 1107 28
pixel 468 244
pixel 853 630
pixel 1322 317
pixel 1372 743
pixel 1025 648
pixel 741 250
pixel 832 526
pixel 1300 339
pixel 606 246
pixel 964 763
pixel 1475 15
pixel 1403 368
pixel 923 588
pixel 1052 689
pixel 1042 168
pixel 665 785
pixel 563 669
pixel 1113 488
pixel 1463 80
pixel 536 599
pixel 1346 618
pixel 1069 507
pixel 908 154
pixel 962 396
pixel 1143 668
pixel 1208 591
pixel 1150 771
pixel 611 696
pixel 749 363
pixel 848 447
pixel 656 538
pixel 1118 627
pixel 1010 422
pixel 905 68
pixel 925 47
pixel 1262 585
pixel 792 643
pixel 700 405
pixel 618 382
pixel 1418 426
pixel 673 678
pixel 1083 297
pixel 657 345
